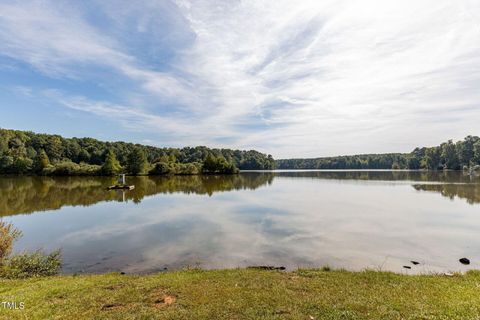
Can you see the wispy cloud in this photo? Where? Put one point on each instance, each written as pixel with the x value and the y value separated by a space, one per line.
pixel 303 78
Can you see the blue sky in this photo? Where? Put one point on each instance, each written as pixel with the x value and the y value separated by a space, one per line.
pixel 290 78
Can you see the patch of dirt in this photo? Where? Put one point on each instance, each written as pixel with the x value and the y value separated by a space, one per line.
pixel 112 306
pixel 281 311
pixel 113 286
pixel 164 301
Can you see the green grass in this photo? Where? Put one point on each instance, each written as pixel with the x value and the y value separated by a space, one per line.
pixel 245 294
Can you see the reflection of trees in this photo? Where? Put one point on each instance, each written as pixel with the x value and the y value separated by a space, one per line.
pixel 437 176
pixel 470 192
pixel 27 194
pixel 450 183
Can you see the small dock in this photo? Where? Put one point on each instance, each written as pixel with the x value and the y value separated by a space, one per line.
pixel 122 185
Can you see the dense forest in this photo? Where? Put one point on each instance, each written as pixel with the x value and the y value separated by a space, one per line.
pixel 463 154
pixel 23 152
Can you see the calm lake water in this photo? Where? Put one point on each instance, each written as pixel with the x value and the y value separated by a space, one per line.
pixel 344 219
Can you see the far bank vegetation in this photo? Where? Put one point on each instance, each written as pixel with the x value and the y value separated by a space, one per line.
pixel 450 155
pixel 23 152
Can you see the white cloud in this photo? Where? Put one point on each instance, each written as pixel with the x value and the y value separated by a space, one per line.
pixel 130 117
pixel 58 41
pixel 303 78
pixel 362 75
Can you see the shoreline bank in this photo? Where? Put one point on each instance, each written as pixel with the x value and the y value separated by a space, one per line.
pixel 246 294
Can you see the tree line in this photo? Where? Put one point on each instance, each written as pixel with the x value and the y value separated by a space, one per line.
pixel 24 152
pixel 464 154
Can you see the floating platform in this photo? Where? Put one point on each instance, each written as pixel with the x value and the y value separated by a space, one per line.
pixel 121 187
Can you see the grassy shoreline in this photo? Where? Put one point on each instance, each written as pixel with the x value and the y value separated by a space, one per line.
pixel 245 294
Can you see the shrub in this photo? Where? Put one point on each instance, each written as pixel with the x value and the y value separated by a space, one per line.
pixel 189 168
pixel 68 168
pixel 34 264
pixel 169 168
pixel 25 264
pixel 15 165
pixel 8 235
pixel 161 168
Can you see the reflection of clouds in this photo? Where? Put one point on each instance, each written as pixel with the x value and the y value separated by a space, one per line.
pixel 293 223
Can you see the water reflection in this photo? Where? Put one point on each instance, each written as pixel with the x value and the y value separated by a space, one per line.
pixel 469 192
pixel 27 194
pixel 353 220
pixel 449 184
pixel 385 175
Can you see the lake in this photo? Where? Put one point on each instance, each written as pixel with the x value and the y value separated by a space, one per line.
pixel 298 219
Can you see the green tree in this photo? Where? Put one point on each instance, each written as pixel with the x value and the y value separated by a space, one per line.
pixel 54 148
pixel 3 145
pixel 413 163
pixel 476 152
pixel 72 150
pixel 21 165
pixel 41 161
pixel 432 158
pixel 17 147
pixel 5 163
pixel 84 156
pixel 213 164
pixel 137 161
pixel 395 166
pixel 210 163
pixel 465 150
pixel 450 156
pixel 172 158
pixel 111 166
